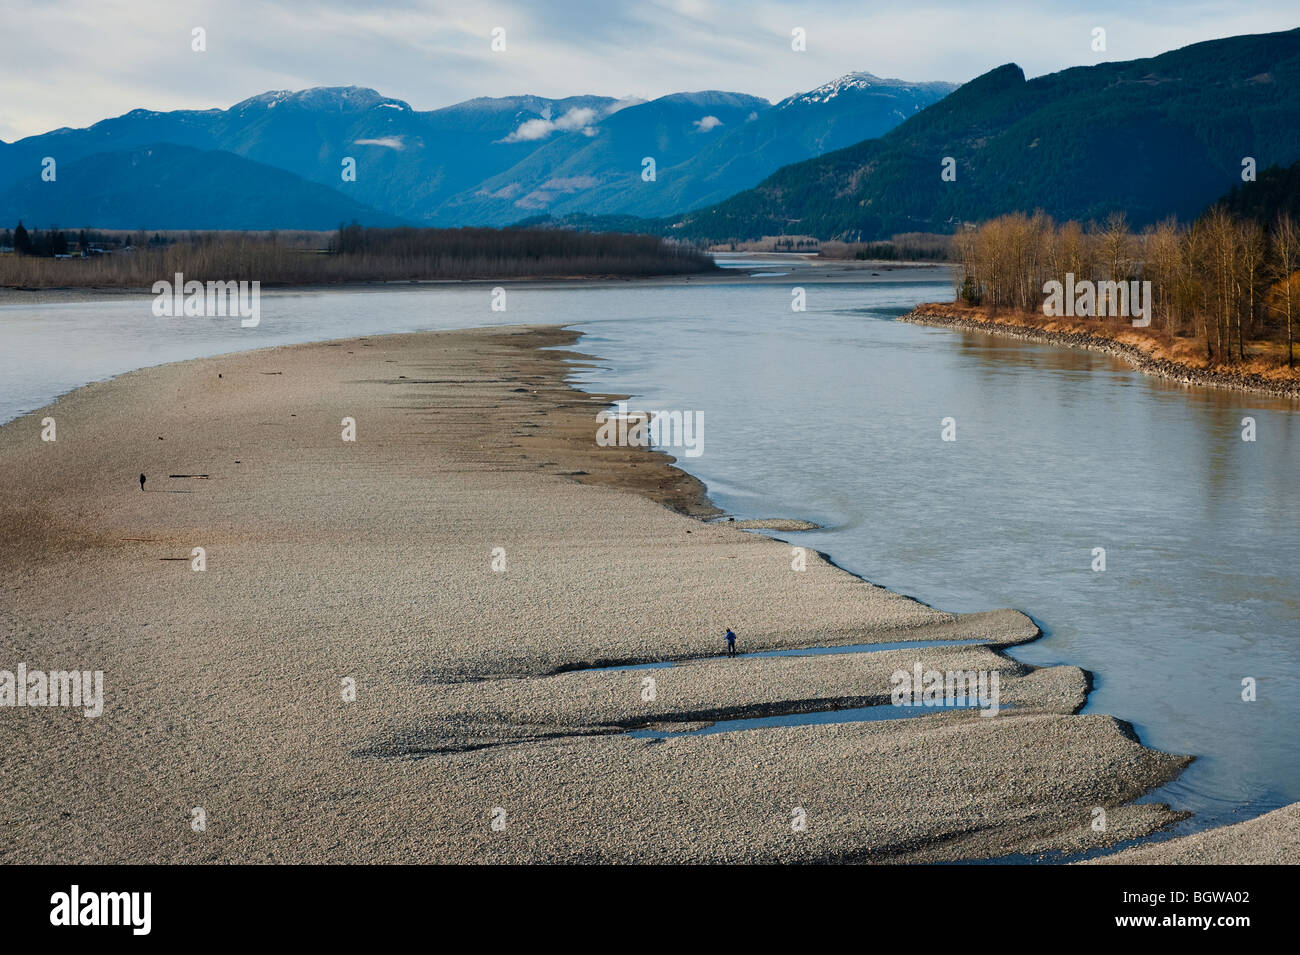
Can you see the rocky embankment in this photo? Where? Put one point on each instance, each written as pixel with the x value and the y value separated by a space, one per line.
pixel 947 316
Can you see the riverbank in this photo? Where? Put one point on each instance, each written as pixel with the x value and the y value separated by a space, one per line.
pixel 463 567
pixel 1144 351
pixel 1270 839
pixel 760 270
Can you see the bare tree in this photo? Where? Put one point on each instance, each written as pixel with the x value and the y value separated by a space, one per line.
pixel 1161 264
pixel 1251 246
pixel 1210 280
pixel 1117 247
pixel 1221 239
pixel 1285 262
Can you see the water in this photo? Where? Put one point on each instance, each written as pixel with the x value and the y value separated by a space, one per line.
pixel 833 416
pixel 48 350
pixel 856 714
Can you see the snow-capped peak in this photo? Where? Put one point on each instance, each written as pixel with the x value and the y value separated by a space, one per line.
pixel 849 81
pixel 856 82
pixel 326 98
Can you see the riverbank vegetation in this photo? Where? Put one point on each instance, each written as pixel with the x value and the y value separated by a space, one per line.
pixel 57 259
pixel 1225 291
pixel 904 247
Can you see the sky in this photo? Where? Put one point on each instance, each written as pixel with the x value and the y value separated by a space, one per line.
pixel 74 62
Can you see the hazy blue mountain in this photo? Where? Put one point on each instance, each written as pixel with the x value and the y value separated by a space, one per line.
pixel 601 171
pixel 843 112
pixel 493 161
pixel 706 146
pixel 408 162
pixel 165 186
pixel 1153 137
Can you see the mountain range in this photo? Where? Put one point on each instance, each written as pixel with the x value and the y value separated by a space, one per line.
pixel 276 160
pixel 857 159
pixel 1156 137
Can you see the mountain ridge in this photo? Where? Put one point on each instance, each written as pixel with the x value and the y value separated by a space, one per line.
pixel 492 160
pixel 216 191
pixel 1154 137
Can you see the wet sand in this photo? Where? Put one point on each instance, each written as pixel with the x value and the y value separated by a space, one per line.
pixel 370 563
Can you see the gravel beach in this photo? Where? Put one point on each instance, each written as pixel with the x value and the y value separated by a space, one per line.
pixel 395 651
pixel 1270 839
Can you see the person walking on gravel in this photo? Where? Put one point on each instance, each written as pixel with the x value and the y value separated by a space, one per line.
pixel 731 643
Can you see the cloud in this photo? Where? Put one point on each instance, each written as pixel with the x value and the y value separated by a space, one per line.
pixel 389 142
pixel 556 48
pixel 531 130
pixel 579 119
pixel 706 123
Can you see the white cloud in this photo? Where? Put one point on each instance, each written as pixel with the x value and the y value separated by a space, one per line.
pixel 706 123
pixel 531 130
pixel 575 120
pixel 390 142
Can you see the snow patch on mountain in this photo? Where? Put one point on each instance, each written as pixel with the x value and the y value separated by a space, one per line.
pixel 553 189
pixel 324 98
pixel 857 82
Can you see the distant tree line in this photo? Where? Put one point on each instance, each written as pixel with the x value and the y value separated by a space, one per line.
pixel 351 254
pixel 483 252
pixel 48 244
pixel 55 241
pixel 1226 281
pixel 904 247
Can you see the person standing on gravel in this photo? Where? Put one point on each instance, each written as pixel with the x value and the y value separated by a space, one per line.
pixel 731 643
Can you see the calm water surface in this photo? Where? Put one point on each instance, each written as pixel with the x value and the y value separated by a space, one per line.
pixel 833 415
